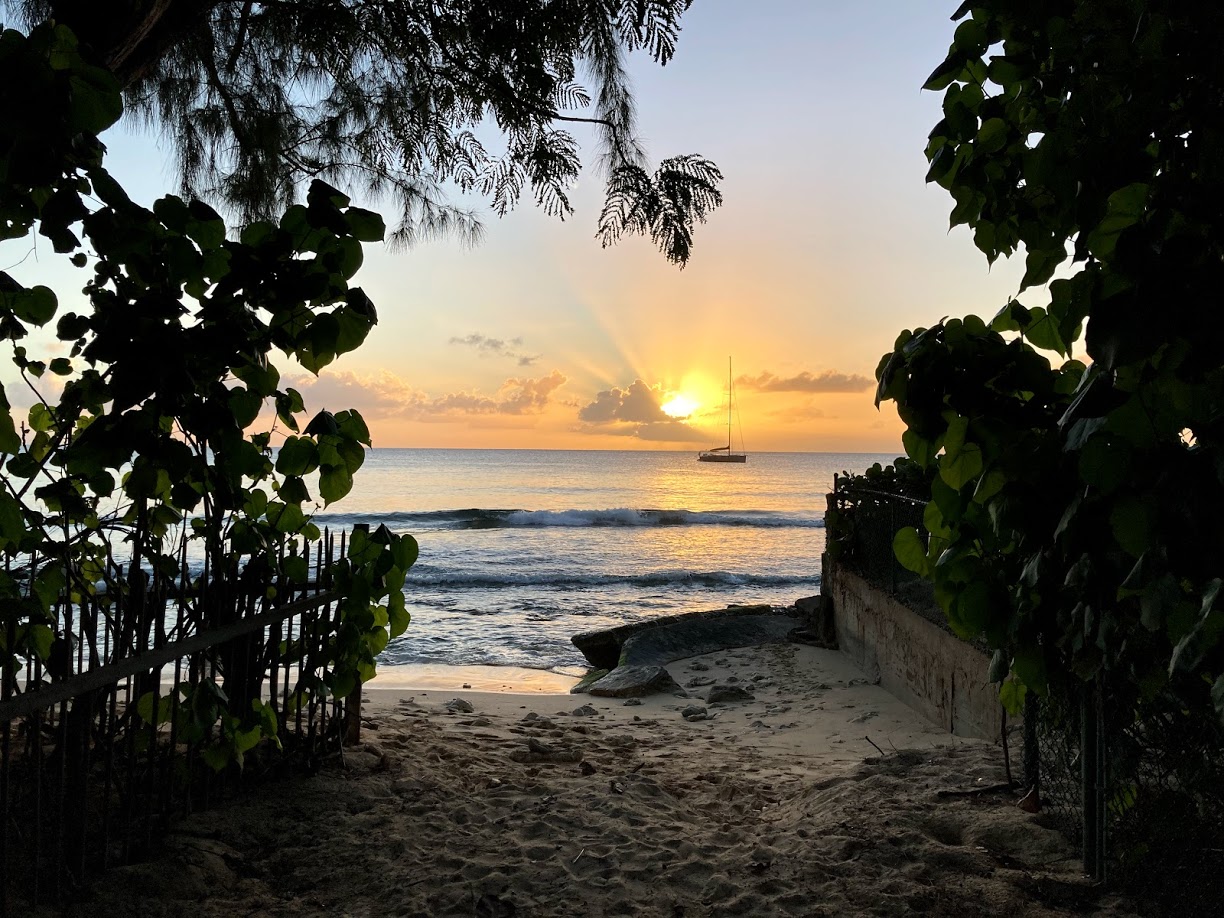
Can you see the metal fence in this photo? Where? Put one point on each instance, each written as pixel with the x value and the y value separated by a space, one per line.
pixel 869 518
pixel 1138 783
pixel 108 737
pixel 1136 780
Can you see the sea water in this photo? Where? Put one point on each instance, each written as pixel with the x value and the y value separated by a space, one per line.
pixel 520 549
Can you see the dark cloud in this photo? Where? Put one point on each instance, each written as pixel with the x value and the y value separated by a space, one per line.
pixel 635 412
pixel 497 347
pixel 638 404
pixel 828 381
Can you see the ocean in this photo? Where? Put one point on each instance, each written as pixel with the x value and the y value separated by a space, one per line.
pixel 520 549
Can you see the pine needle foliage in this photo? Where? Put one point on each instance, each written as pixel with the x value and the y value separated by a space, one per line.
pixel 425 104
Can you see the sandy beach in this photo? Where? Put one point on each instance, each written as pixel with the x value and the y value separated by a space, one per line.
pixel 819 794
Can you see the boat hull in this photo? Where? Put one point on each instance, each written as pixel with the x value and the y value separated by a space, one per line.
pixel 722 457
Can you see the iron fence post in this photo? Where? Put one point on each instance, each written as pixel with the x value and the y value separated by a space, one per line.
pixel 1092 772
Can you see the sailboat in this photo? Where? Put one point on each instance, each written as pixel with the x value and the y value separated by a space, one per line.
pixel 723 453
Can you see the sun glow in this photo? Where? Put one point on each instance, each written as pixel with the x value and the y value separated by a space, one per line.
pixel 680 406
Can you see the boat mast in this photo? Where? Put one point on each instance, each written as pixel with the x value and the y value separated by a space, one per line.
pixel 728 405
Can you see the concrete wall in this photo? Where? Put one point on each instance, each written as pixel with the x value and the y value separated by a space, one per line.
pixel 929 669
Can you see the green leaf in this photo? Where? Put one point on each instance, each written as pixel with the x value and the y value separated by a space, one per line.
pixel 334 483
pixel 960 469
pixel 293 490
pixel 398 613
pixel 205 225
pixel 992 136
pixel 296 568
pixel 1030 667
pixel 95 100
pixel 9 441
pixel 1043 332
pixel 1105 463
pixel 217 757
pixel 1012 694
pixel 1125 208
pixel 1204 636
pixel 1000 666
pixel 245 405
pixel 1040 265
pixel 405 549
pixel 12 522
pixel 918 448
pixel 1131 521
pixel 366 225
pixel 33 305
pixel 286 518
pixel 943 75
pixel 970 610
pixel 909 550
pixel 297 456
pixel 351 425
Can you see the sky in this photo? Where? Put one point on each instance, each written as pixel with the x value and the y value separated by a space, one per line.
pixel 829 243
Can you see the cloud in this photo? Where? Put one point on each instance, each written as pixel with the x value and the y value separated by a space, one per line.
pixel 385 395
pixel 497 347
pixel 516 396
pixel 634 412
pixel 637 404
pixel 828 381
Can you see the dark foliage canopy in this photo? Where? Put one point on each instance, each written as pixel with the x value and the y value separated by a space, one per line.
pixel 402 100
pixel 1076 514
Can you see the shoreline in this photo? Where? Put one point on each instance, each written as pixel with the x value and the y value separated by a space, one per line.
pixel 479 677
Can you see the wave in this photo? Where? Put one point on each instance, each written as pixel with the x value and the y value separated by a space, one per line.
pixel 423 576
pixel 622 516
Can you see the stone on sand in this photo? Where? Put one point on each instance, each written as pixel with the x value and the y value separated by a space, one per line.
pixel 724 693
pixel 633 682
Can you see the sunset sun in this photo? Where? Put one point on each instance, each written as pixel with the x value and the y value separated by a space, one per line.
pixel 680 406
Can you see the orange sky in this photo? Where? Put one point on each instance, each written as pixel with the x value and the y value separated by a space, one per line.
pixel 828 245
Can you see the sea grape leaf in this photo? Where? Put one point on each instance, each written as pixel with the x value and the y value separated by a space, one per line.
pixel 908 547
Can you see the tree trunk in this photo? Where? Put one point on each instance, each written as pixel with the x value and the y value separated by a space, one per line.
pixel 128 39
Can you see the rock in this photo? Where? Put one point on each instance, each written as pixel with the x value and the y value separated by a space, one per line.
pixel 634 681
pixel 631 701
pixel 586 768
pixel 664 639
pixel 698 666
pixel 459 706
pixel 695 712
pixel 724 693
pixel 466 685
pixel 699 681
pixel 585 711
pixel 537 751
pixel 1030 802
pixel 585 683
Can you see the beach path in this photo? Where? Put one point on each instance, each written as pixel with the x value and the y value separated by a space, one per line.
pixel 820 794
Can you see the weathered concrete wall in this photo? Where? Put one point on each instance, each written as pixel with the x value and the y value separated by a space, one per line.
pixel 931 670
